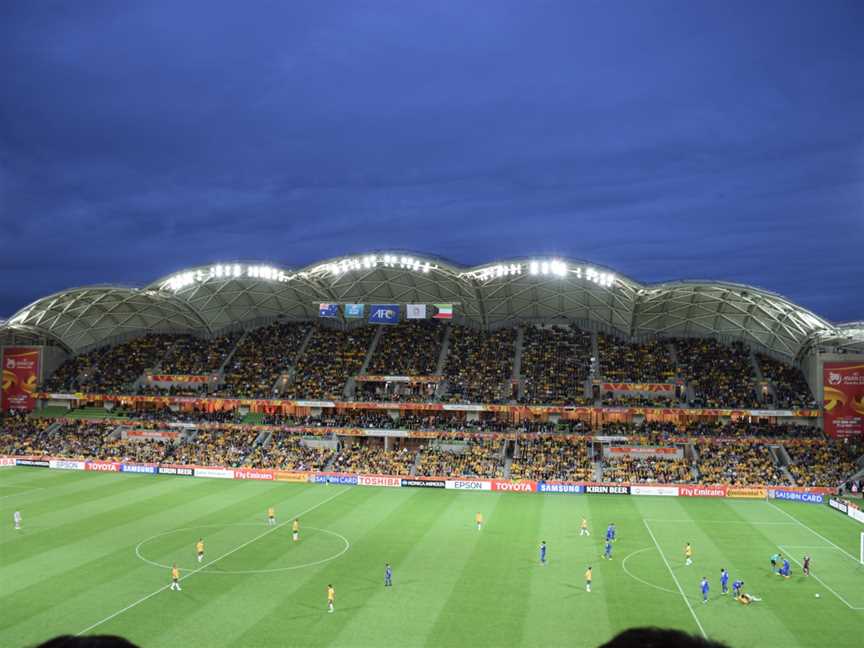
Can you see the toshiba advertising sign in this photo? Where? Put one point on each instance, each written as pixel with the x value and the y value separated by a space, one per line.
pixel 379 480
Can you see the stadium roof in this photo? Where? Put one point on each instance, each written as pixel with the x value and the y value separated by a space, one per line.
pixel 207 299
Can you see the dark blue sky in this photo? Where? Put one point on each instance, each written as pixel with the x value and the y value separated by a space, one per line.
pixel 664 139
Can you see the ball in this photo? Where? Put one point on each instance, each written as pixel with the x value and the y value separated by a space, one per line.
pixel 818 596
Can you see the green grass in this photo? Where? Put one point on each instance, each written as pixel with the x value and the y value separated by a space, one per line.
pixel 81 413
pixel 51 411
pixel 74 565
pixel 253 418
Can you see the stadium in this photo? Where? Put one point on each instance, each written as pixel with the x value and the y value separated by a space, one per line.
pixel 443 420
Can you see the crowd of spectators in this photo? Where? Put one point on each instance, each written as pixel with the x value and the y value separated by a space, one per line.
pixel 196 356
pixel 479 458
pixel 647 470
pixel 360 457
pixel 261 357
pixel 287 452
pixel 331 358
pixel 750 429
pixel 822 462
pixel 721 374
pixel 22 435
pixel 111 370
pixel 556 362
pixel 408 349
pixel 480 365
pixel 620 361
pixel 77 440
pixel 215 448
pixel 790 388
pixel 551 458
pixel 738 462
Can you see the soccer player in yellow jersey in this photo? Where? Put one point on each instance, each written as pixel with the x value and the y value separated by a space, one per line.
pixel 199 549
pixel 175 578
pixel 588 579
pixel 688 554
pixel 295 529
pixel 331 598
pixel 583 528
pixel 479 518
pixel 271 516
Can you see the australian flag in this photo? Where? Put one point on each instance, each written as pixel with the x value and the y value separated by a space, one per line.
pixel 328 310
pixel 384 314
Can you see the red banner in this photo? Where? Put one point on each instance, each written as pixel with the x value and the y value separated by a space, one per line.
pixel 638 387
pixel 180 378
pixel 151 434
pixel 514 486
pixel 843 399
pixel 642 450
pixel 20 375
pixel 102 466
pixel 685 490
pixel 253 473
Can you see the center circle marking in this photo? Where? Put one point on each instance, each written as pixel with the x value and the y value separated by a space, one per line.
pixel 205 568
pixel 642 580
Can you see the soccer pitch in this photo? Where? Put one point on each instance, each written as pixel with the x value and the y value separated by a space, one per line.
pixel 94 553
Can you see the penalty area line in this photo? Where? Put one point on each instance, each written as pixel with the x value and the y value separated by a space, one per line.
pixel 816 533
pixel 824 584
pixel 212 562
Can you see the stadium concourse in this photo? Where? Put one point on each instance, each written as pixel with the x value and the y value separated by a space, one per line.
pixel 540 369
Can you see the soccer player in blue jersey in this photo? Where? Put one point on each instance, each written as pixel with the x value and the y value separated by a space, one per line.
pixel 724 581
pixel 737 588
pixel 543 553
pixel 705 587
pixel 608 550
pixel 784 570
pixel 610 532
pixel 388 575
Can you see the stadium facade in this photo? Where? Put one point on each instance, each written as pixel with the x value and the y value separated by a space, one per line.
pixel 210 300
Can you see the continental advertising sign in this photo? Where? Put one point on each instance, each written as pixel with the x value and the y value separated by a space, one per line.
pixel 747 492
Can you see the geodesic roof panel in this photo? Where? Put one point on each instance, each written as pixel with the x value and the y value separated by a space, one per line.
pixel 569 292
pixel 844 338
pixel 232 293
pixel 400 280
pixel 732 310
pixel 85 317
pixel 207 299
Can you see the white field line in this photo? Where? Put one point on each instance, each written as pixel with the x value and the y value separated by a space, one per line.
pixel 675 578
pixel 212 562
pixel 721 522
pixel 824 584
pixel 817 534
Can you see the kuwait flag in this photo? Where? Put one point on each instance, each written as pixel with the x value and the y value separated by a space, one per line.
pixel 444 311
